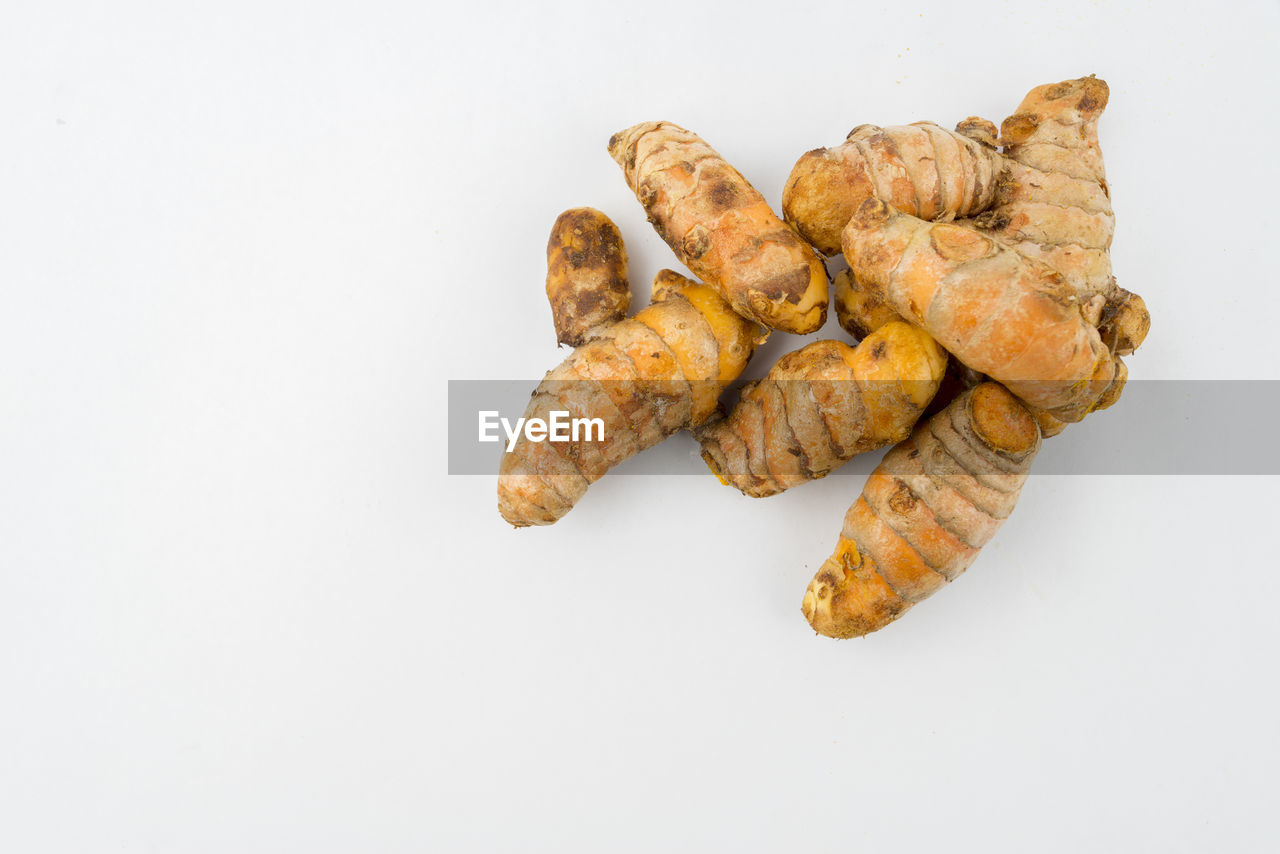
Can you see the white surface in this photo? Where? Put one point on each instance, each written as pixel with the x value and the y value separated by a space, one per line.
pixel 243 608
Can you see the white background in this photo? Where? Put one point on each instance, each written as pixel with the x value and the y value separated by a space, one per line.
pixel 244 608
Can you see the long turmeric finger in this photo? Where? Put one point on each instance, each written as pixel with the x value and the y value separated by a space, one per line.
pixel 928 508
pixel 644 378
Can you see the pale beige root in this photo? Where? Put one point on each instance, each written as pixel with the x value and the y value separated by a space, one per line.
pixel 922 169
pixel 820 406
pixel 925 512
pixel 721 228
pixel 645 377
pixel 999 312
pixel 859 310
pixel 1053 202
pixel 586 274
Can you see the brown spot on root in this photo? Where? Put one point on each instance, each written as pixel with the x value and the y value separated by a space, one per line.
pixel 722 195
pixel 660 226
pixel 878 351
pixel 1017 128
pixel 872 213
pixel 696 242
pixel 647 193
pixel 850 560
pixel 903 500
pixel 1058 90
pixel 992 220
pixel 587 300
pixel 791 287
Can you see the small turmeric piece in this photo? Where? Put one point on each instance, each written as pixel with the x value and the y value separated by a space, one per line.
pixel 645 377
pixel 721 227
pixel 925 512
pixel 586 274
pixel 860 311
pixel 820 406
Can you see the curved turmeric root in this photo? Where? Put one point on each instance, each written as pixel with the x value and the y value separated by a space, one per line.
pixel 721 228
pixel 922 169
pixel 999 312
pixel 821 405
pixel 644 377
pixel 1053 202
pixel 586 274
pixel 926 511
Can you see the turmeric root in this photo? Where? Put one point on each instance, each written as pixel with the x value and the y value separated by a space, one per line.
pixel 821 405
pixel 1053 202
pixel 644 377
pixel 931 505
pixel 1003 314
pixel 860 311
pixel 586 274
pixel 721 228
pixel 921 169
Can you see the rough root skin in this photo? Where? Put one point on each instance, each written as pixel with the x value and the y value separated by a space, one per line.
pixel 859 310
pixel 820 406
pixel 586 274
pixel 646 377
pixel 923 169
pixel 999 312
pixel 925 513
pixel 721 228
pixel 1125 322
pixel 1054 203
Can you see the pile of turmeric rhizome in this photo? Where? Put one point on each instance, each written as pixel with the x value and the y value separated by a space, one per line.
pixel 979 289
